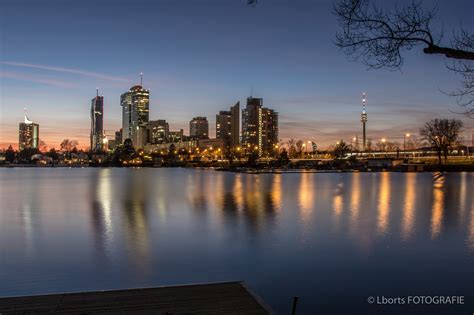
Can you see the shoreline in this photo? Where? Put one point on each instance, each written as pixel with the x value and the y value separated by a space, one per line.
pixel 247 170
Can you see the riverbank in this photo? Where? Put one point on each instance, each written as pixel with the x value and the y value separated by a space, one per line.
pixel 274 170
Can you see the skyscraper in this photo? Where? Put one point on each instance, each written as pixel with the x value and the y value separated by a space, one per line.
pixel 159 130
pixel 97 123
pixel 269 129
pixel 135 115
pixel 28 134
pixel 363 119
pixel 199 128
pixel 227 125
pixel 176 136
pixel 259 126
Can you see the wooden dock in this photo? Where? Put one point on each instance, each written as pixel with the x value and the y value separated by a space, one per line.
pixel 213 298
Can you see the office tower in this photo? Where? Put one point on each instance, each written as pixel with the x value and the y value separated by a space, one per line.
pixel 199 128
pixel 227 125
pixel 97 123
pixel 176 136
pixel 259 126
pixel 269 130
pixel 28 135
pixel 363 119
pixel 135 115
pixel 159 130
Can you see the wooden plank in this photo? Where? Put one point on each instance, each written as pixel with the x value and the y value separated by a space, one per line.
pixel 214 298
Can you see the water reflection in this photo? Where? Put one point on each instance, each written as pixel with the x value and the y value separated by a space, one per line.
pixel 30 218
pixel 151 227
pixel 383 203
pixel 471 229
pixel 27 226
pixel 437 207
pixel 306 194
pixel 463 196
pixel 258 204
pixel 355 197
pixel 277 191
pixel 409 206
pixel 238 191
pixel 101 211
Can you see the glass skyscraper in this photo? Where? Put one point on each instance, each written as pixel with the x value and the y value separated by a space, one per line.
pixel 135 115
pixel 97 123
pixel 28 135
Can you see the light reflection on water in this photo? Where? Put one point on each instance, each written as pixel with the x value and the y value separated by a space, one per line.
pixel 306 234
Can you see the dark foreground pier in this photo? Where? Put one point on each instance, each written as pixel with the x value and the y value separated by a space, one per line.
pixel 214 298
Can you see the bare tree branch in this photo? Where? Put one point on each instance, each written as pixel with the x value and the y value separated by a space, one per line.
pixel 378 37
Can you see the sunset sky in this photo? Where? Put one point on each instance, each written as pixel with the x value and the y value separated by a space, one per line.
pixel 199 57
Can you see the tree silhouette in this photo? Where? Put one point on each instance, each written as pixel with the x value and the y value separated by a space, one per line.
pixel 10 154
pixel 441 134
pixel 68 145
pixel 378 37
pixel 341 149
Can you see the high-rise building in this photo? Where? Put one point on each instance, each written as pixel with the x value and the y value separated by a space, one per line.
pixel 28 134
pixel 135 115
pixel 97 123
pixel 269 130
pixel 159 130
pixel 363 119
pixel 176 136
pixel 259 126
pixel 199 128
pixel 227 125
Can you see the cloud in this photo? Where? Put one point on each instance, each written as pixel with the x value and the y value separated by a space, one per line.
pixel 37 79
pixel 66 70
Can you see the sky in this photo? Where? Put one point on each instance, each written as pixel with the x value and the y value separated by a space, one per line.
pixel 202 56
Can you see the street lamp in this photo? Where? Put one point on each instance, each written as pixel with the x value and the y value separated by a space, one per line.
pixel 383 143
pixel 352 141
pixel 404 141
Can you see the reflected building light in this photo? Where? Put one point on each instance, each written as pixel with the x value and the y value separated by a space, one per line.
pixel 355 198
pixel 27 221
pixel 276 191
pixel 140 231
pixel 471 231
pixel 238 190
pixel 383 204
pixel 215 191
pixel 105 199
pixel 437 209
pixel 337 204
pixel 409 206
pixel 462 196
pixel 306 193
pixel 160 192
pixel 253 196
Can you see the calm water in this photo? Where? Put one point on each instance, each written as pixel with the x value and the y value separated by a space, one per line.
pixel 332 239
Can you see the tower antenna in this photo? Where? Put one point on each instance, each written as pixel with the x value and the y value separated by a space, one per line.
pixel 141 79
pixel 363 120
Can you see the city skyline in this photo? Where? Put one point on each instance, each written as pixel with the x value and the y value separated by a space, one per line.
pixel 192 72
